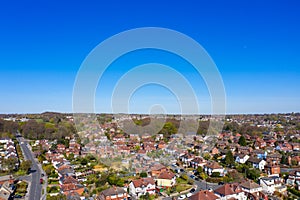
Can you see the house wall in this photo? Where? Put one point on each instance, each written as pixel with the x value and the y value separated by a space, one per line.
pixel 164 182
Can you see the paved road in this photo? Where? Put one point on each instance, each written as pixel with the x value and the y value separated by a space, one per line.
pixel 198 185
pixel 35 186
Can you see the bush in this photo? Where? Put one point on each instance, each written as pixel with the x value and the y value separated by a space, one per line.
pixel 114 180
pixel 143 174
pixel 190 182
pixel 184 177
pixel 215 174
pixel 253 174
pixel 214 180
pixel 53 189
pixel 294 191
pixel 227 179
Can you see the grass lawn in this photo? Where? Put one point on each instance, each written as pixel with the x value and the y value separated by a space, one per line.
pixel 182 187
pixel 21 188
pixel 189 169
pixel 20 173
pixel 53 189
pixel 180 180
pixel 53 181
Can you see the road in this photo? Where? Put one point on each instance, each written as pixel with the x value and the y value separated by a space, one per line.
pixel 198 185
pixel 35 186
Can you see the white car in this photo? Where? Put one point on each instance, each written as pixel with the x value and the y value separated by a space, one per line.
pixel 183 196
pixel 189 194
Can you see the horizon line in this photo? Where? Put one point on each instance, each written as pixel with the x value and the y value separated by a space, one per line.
pixel 177 114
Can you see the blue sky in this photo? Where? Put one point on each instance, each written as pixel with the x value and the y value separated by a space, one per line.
pixel 255 45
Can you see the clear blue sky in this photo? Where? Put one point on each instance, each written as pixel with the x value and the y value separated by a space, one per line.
pixel 255 45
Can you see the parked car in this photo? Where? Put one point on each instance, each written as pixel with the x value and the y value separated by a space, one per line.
pixel 192 176
pixel 41 181
pixel 189 194
pixel 183 196
pixel 192 190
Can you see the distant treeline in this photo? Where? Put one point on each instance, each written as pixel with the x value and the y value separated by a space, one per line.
pixel 52 125
pixel 44 126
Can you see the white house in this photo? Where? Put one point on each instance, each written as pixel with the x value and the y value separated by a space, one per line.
pixel 5 140
pixel 251 187
pixel 196 162
pixel 257 163
pixel 166 179
pixel 294 178
pixel 212 167
pixel 272 184
pixel 230 191
pixel 141 187
pixel 241 158
pixel 186 159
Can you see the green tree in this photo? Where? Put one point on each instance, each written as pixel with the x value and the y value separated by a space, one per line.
pixel 294 163
pixel 114 180
pixel 146 196
pixel 41 158
pixel 253 174
pixel 71 157
pixel 215 174
pixel 48 169
pixel 207 156
pixel 242 141
pixel 143 174
pixel 25 165
pixel 137 147
pixel 199 169
pixel 83 161
pixel 10 164
pixel 168 129
pixel 184 177
pixel 203 176
pixel 58 197
pixel 229 159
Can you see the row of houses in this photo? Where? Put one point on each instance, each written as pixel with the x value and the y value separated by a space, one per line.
pixel 69 179
pixel 159 177
pixel 247 189
pixel 7 187
pixel 241 191
pixel 8 151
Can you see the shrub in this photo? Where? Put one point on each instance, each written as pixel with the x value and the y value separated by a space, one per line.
pixel 215 174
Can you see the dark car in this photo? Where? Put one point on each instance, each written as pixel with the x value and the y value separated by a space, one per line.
pixel 192 190
pixel 192 176
pixel 41 181
pixel 221 183
pixel 17 196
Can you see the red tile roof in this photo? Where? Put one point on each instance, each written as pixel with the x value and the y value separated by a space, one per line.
pixel 70 179
pixel 143 181
pixel 166 175
pixel 228 189
pixel 204 195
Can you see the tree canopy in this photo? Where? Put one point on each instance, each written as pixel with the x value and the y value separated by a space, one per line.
pixel 229 159
pixel 242 141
